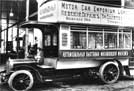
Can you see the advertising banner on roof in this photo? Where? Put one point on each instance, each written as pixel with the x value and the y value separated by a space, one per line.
pixel 74 12
pixel 47 12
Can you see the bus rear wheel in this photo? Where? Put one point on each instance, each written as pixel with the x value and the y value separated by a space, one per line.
pixel 109 72
pixel 21 80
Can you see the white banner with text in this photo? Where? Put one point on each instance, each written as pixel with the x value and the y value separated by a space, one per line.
pixel 74 12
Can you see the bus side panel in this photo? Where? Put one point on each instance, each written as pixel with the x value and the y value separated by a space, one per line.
pixel 67 63
pixel 74 63
pixel 50 62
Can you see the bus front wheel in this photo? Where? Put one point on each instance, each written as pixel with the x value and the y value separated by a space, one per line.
pixel 21 80
pixel 109 72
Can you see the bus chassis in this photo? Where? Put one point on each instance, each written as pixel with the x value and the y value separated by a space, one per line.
pixel 22 76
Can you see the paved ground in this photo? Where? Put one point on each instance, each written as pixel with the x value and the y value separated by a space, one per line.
pixel 123 84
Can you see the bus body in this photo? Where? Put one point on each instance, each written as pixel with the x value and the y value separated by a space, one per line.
pixel 77 39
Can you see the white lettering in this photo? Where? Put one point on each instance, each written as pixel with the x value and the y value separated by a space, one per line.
pixel 92 54
pixel 123 53
pixel 69 6
pixel 73 54
pixel 108 53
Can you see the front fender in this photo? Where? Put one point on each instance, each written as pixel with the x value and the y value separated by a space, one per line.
pixel 30 68
pixel 11 63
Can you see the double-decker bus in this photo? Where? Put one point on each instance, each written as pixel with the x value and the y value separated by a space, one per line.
pixel 77 39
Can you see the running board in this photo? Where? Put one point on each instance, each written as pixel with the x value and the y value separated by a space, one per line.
pixel 66 78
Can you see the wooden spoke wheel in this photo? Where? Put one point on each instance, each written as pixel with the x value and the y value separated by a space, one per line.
pixel 21 80
pixel 109 72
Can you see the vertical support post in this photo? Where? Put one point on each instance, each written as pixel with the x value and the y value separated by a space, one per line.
pixel 27 10
pixel 26 37
pixel 0 34
pixel 103 38
pixel 18 42
pixel 0 25
pixel 122 3
pixel 7 31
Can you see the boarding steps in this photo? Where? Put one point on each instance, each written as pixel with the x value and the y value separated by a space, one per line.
pixel 131 68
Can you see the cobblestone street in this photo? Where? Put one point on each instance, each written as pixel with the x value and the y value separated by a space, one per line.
pixel 123 84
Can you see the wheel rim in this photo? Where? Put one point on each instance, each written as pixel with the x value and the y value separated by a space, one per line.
pixel 21 82
pixel 110 73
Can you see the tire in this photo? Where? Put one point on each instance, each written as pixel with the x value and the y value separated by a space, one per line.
pixel 21 80
pixel 109 72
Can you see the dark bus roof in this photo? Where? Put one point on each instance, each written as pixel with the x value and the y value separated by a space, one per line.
pixel 34 24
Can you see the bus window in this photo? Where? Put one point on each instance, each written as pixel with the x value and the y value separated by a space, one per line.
pixel 78 40
pixel 47 40
pixel 121 40
pixel 91 41
pixel 55 40
pixel 99 41
pixel 84 38
pixel 127 38
pixel 95 40
pixel 124 39
pixel 110 40
pixel 50 44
